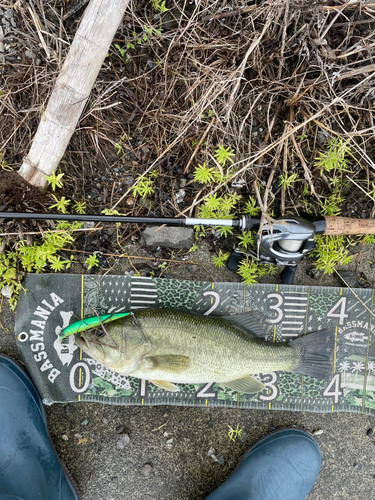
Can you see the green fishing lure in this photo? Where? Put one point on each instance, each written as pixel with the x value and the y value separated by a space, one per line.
pixel 88 323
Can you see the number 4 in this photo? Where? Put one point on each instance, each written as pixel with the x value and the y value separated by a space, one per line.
pixel 341 315
pixel 336 392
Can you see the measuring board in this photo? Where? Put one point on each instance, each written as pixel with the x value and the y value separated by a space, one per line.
pixel 62 372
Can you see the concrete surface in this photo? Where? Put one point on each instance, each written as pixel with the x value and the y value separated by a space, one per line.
pixel 181 469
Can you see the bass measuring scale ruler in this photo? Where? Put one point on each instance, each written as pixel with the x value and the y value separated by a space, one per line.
pixel 62 372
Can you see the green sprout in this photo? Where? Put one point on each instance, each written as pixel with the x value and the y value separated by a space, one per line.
pixel 250 270
pixel 246 239
pixel 55 180
pixel 61 204
pixel 4 165
pixel 79 207
pixel 251 207
pixel 331 204
pixel 159 5
pixel 144 186
pixel 203 174
pixel 233 434
pixel 222 155
pixel 220 260
pixel 92 261
pixel 286 181
pixel 15 261
pixel 334 157
pixel 329 252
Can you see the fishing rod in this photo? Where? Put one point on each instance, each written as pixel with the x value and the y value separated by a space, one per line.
pixel 283 242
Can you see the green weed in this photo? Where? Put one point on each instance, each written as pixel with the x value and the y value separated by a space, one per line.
pixel 251 207
pixel 43 253
pixel 250 270
pixel 145 186
pixel 329 252
pixel 220 260
pixel 159 5
pixel 91 261
pixel 286 181
pixel 61 205
pixel 4 165
pixel 233 434
pixel 333 158
pixel 79 207
pixel 222 155
pixel 55 180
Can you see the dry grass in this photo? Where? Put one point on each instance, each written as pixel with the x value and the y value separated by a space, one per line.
pixel 214 75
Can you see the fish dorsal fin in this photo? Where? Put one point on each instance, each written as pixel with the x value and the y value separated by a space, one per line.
pixel 166 386
pixel 254 322
pixel 173 363
pixel 247 384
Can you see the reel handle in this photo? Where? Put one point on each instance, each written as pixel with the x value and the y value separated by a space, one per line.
pixel 287 275
pixel 234 260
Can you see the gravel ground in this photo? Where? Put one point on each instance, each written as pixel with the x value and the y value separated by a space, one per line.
pixel 118 453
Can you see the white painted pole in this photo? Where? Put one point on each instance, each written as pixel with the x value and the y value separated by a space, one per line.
pixel 72 89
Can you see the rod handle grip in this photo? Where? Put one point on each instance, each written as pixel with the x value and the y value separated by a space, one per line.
pixel 348 225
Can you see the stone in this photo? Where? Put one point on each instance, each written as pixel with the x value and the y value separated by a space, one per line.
pixel 122 442
pixel 348 278
pixel 193 268
pixel 29 54
pixel 173 237
pixel 52 16
pixel 146 469
pixel 5 292
pixel 180 196
pixel 314 273
pixel 84 422
pixel 322 136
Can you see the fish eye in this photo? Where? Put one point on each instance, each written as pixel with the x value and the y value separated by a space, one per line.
pixel 100 333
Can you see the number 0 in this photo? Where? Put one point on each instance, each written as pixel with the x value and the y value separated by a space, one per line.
pixel 87 377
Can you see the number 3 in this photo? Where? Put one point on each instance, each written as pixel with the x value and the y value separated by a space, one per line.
pixel 275 307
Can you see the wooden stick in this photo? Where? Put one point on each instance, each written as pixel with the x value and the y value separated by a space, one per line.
pixel 72 89
pixel 346 226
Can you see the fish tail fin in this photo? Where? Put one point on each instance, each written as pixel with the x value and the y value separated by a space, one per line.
pixel 314 354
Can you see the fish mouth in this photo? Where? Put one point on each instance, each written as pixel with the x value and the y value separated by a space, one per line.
pixel 93 349
pixel 83 344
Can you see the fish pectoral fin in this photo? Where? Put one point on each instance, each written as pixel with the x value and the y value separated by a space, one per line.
pixel 254 322
pixel 247 384
pixel 166 386
pixel 173 363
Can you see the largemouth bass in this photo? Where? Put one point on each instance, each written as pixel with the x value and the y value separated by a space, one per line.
pixel 167 346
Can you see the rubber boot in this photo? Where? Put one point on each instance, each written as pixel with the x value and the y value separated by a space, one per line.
pixel 282 466
pixel 29 466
